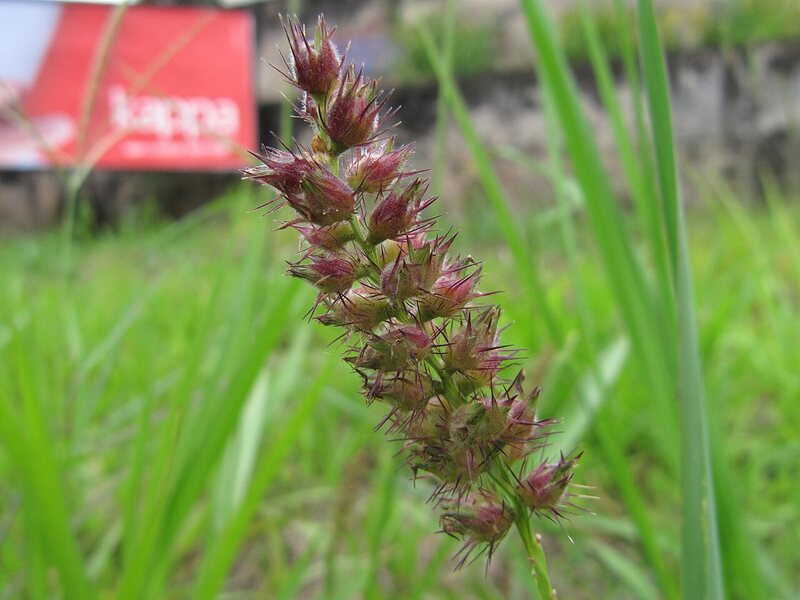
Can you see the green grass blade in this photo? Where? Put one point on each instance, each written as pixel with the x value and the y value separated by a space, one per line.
pixel 197 433
pixel 291 583
pixel 24 434
pixel 492 186
pixel 595 387
pixel 640 313
pixel 240 456
pixel 657 88
pixel 634 165
pixel 634 499
pixel 626 570
pixel 384 499
pixel 783 224
pixel 627 279
pixel 442 115
pixel 220 555
pixel 701 562
pixel 212 438
pixel 744 560
pixel 271 390
pixel 590 393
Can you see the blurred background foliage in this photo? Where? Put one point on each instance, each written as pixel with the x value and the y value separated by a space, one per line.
pixel 477 44
pixel 684 27
pixel 690 27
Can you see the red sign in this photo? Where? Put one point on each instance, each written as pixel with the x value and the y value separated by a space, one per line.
pixel 142 87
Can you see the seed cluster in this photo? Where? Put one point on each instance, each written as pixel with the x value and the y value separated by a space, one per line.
pixel 419 340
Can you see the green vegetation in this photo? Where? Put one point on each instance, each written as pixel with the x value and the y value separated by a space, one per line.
pixel 171 427
pixel 740 23
pixel 743 22
pixel 476 43
pixel 705 25
pixel 122 372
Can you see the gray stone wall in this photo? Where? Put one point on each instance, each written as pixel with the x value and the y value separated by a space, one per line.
pixel 735 113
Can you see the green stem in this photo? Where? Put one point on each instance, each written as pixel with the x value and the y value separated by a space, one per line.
pixel 533 546
pixel 449 387
pixel 358 235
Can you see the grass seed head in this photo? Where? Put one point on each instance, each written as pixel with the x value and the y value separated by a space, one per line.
pixel 452 291
pixel 282 170
pixel 394 350
pixel 375 167
pixel 331 237
pixel 353 116
pixel 545 489
pixel 328 272
pixel 408 392
pixel 325 200
pixel 315 66
pixel 396 213
pixel 361 308
pixel 408 309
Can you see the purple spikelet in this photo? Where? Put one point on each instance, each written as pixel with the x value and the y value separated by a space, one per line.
pixel 422 343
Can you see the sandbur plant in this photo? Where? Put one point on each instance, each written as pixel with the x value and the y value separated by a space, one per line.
pixel 415 324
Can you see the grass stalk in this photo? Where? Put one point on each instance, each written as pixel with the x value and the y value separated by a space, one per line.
pixel 24 434
pixel 222 551
pixel 513 234
pixel 701 559
pixel 442 112
pixel 536 556
pixel 625 273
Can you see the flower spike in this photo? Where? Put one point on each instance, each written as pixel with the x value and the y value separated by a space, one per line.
pixel 419 338
pixel 316 65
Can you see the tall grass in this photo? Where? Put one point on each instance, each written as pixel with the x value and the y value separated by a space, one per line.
pixel 657 312
pixel 169 422
pixel 299 501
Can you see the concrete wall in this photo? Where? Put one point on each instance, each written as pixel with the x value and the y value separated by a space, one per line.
pixel 735 113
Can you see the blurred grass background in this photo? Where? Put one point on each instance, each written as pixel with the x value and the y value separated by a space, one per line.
pixel 173 427
pixel 158 334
